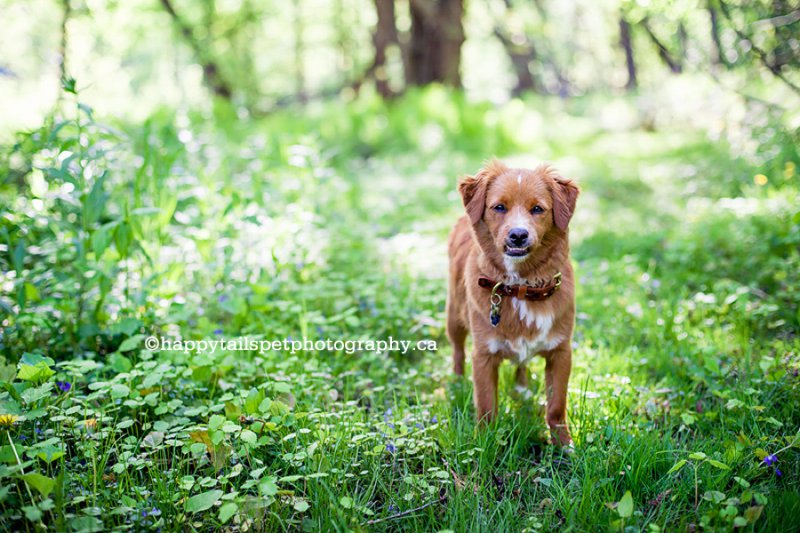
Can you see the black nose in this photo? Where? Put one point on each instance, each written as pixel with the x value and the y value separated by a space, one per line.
pixel 518 236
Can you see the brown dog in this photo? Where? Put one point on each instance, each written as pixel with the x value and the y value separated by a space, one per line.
pixel 511 283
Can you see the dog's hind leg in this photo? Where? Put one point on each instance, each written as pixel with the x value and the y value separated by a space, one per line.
pixel 521 389
pixel 457 334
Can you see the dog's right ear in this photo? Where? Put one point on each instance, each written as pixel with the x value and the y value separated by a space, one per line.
pixel 473 189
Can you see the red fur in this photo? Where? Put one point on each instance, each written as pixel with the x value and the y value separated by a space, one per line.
pixel 477 248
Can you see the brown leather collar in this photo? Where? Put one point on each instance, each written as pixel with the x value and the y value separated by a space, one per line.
pixel 523 292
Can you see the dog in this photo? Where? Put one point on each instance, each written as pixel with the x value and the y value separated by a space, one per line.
pixel 511 283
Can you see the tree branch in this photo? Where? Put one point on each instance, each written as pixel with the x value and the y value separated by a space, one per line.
pixel 762 55
pixel 663 51
pixel 211 73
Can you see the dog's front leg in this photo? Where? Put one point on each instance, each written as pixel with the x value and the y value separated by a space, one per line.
pixel 556 375
pixel 484 378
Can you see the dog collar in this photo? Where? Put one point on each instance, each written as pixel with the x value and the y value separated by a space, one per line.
pixel 523 292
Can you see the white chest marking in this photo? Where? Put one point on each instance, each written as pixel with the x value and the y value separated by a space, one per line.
pixel 526 348
pixel 543 320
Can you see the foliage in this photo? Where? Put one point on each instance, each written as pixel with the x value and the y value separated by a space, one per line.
pixel 331 224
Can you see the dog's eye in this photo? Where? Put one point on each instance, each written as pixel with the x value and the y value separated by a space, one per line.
pixel 500 208
pixel 537 210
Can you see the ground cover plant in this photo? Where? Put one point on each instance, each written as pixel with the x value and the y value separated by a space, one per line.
pixel 684 399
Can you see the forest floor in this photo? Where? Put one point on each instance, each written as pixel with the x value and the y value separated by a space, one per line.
pixel 683 400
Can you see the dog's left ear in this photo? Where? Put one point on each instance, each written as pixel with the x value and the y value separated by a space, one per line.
pixel 473 189
pixel 565 195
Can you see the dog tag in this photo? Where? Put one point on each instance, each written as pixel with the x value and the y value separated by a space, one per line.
pixel 494 309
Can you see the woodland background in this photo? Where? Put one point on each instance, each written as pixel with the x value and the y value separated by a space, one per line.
pixel 228 168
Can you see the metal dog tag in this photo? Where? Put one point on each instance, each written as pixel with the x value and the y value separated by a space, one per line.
pixel 496 301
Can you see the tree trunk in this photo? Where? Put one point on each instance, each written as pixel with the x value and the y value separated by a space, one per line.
pixel 62 46
pixel 627 46
pixel 663 52
pixel 717 53
pixel 299 54
pixel 384 36
pixel 522 53
pixel 437 33
pixel 211 73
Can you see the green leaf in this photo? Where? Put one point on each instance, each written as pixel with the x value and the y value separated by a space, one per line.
pixel 34 394
pixel 86 524
pixel 264 406
pixel 717 464
pixel 267 486
pixel 254 399
pixel 32 513
pixel 739 521
pixel 227 510
pixel 119 391
pixel 123 236
pixel 301 506
pixel 346 502
pixel 203 501
pixel 249 437
pixel 215 422
pixel 677 466
pixel 127 326
pixel 34 373
pixel 43 484
pixel 119 362
pixel 49 453
pixel 625 507
pixel 697 456
pixel 131 343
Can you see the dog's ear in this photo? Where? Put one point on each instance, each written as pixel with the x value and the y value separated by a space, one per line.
pixel 473 189
pixel 565 194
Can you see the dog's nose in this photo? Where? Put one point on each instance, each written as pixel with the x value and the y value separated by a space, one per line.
pixel 518 236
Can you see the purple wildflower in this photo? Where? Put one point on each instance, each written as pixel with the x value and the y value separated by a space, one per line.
pixel 770 460
pixel 218 331
pixel 64 386
pixel 391 448
pixel 222 298
pixel 778 472
pixel 435 419
pixel 418 425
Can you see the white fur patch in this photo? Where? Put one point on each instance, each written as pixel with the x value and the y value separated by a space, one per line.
pixel 494 345
pixel 519 221
pixel 543 320
pixel 511 263
pixel 525 349
pixel 519 179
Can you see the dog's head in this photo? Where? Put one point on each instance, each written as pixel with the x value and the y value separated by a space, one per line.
pixel 514 210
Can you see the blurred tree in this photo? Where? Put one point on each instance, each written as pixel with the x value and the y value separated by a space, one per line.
pixel 674 62
pixel 212 75
pixel 299 53
pixel 521 51
pixel 718 56
pixel 384 36
pixel 774 41
pixel 437 33
pixel 627 47
pixel 66 7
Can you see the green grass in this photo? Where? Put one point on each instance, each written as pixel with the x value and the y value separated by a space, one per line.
pixel 332 225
